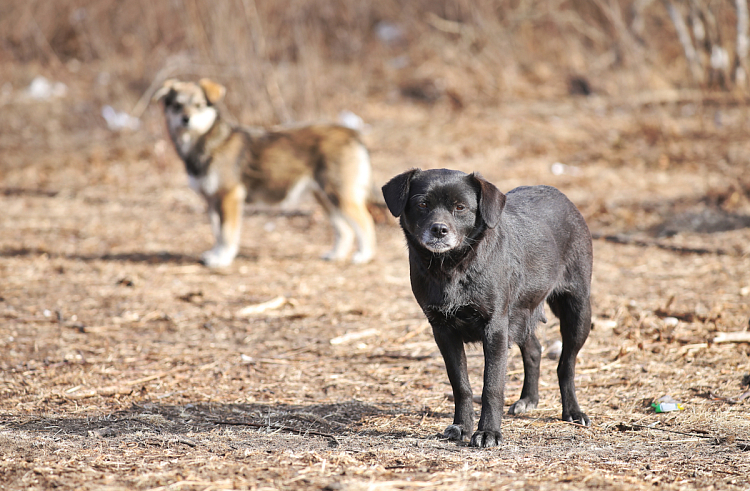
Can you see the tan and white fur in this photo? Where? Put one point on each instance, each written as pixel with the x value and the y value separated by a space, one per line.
pixel 229 165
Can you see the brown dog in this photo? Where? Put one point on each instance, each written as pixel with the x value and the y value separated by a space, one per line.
pixel 230 165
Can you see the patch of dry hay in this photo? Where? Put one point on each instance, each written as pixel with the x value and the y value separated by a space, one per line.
pixel 125 365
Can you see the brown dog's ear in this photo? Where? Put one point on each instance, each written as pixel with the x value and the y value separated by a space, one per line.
pixel 491 201
pixel 164 90
pixel 214 91
pixel 396 192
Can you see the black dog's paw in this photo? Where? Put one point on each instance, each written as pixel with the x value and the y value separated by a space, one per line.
pixel 522 406
pixel 577 417
pixel 486 439
pixel 455 432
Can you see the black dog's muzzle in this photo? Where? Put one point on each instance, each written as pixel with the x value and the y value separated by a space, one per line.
pixel 439 230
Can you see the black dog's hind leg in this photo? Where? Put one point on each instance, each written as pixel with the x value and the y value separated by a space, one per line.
pixel 574 312
pixel 531 351
pixel 452 348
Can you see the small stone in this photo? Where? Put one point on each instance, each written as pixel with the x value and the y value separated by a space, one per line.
pixel 554 350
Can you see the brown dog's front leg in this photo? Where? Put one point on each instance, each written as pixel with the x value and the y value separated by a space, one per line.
pixel 495 346
pixel 225 214
pixel 452 348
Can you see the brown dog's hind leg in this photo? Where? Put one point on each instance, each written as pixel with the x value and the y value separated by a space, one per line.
pixel 362 224
pixel 343 235
pixel 225 212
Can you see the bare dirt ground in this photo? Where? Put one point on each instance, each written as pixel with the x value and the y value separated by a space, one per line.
pixel 124 364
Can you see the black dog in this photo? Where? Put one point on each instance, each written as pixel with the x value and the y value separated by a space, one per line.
pixel 482 265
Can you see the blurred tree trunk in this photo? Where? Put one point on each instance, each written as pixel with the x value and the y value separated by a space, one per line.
pixel 269 74
pixel 683 35
pixel 740 60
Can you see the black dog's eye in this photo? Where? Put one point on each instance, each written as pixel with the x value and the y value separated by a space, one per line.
pixel 460 207
pixel 422 204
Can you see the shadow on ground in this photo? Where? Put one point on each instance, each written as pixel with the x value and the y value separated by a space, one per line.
pixel 126 257
pixel 325 420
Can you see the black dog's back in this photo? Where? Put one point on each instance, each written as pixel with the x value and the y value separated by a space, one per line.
pixel 569 297
pixel 548 221
pixel 544 252
pixel 548 204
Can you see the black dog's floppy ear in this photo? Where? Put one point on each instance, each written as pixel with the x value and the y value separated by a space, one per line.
pixel 491 201
pixel 396 192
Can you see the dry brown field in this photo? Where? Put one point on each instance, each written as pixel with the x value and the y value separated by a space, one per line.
pixel 125 364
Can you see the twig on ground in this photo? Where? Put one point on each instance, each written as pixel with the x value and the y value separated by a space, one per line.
pixel 184 441
pixel 277 428
pixel 624 239
pixel 125 388
pixel 168 372
pixel 273 304
pixel 422 327
pixel 646 427
pixel 741 444
pixel 354 336
pixel 733 337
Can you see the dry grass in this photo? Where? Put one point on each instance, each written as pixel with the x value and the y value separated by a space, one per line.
pixel 126 365
pixel 294 60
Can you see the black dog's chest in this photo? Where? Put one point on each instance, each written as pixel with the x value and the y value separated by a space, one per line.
pixel 467 321
pixel 454 302
pixel 456 310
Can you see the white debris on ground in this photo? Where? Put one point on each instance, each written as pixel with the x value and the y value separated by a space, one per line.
pixel 353 121
pixel 117 121
pixel 42 89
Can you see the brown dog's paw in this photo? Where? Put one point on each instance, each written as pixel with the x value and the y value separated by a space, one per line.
pixel 486 439
pixel 522 406
pixel 577 417
pixel 455 432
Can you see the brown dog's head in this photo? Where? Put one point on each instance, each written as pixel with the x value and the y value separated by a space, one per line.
pixel 189 109
pixel 443 209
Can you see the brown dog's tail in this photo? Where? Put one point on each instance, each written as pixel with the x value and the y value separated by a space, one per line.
pixel 377 207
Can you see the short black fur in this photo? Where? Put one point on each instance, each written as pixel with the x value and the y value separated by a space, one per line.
pixel 482 265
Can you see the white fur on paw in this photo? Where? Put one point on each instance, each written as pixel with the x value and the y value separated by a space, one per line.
pixel 218 257
pixel 521 406
pixel 361 257
pixel 331 256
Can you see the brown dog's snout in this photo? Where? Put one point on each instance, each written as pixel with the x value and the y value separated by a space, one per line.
pixel 185 119
pixel 439 230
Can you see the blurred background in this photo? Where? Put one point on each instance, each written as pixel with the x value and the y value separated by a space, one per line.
pixel 514 88
pixel 636 110
pixel 297 60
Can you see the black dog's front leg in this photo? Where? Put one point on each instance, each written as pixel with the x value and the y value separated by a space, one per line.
pixel 495 345
pixel 452 348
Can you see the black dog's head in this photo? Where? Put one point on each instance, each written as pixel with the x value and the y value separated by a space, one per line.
pixel 443 209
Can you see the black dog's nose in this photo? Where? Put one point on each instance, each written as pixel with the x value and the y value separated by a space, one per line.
pixel 185 120
pixel 439 230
